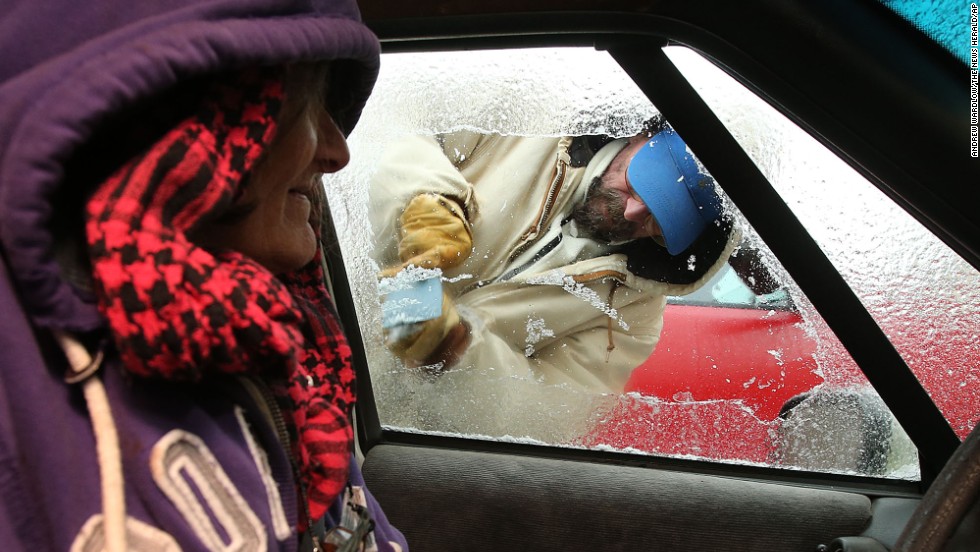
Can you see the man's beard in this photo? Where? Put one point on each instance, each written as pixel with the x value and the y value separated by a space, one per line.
pixel 600 216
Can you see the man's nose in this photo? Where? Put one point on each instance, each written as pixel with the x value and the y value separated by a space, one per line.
pixel 636 211
pixel 331 148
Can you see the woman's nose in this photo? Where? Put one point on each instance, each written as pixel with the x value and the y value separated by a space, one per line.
pixel 331 150
pixel 636 211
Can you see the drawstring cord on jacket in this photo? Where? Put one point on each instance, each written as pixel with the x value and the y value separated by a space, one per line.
pixel 82 368
pixel 609 321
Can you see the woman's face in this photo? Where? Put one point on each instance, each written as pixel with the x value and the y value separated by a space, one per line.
pixel 276 232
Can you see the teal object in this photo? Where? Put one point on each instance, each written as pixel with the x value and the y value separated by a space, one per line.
pixel 946 22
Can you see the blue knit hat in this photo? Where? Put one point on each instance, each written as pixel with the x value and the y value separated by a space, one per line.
pixel 679 195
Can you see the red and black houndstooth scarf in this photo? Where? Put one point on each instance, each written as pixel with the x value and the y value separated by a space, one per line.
pixel 179 312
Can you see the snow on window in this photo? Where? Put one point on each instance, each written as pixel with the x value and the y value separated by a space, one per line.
pixel 934 320
pixel 705 393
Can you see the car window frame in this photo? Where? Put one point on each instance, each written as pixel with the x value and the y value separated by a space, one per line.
pixel 507 33
pixel 371 432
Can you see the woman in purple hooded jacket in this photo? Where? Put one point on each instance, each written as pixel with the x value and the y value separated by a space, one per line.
pixel 172 371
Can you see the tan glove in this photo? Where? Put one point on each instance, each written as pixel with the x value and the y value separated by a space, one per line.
pixel 434 233
pixel 439 339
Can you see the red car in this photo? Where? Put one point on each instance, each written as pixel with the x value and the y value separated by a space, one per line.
pixel 731 363
pixel 727 362
pixel 725 343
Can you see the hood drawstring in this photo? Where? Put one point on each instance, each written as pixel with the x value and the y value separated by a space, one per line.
pixel 83 369
pixel 609 321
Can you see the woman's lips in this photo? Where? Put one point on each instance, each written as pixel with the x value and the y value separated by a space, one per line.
pixel 299 205
pixel 307 188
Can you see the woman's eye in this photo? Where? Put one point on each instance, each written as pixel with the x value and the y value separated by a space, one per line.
pixel 338 105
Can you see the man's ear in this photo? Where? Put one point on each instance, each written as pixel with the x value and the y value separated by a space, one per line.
pixel 648 260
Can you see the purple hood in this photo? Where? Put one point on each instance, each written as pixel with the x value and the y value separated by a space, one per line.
pixel 68 66
pixel 68 70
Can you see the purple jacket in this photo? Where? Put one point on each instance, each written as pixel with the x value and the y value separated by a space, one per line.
pixel 203 466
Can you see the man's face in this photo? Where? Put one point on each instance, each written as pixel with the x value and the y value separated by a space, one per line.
pixel 612 212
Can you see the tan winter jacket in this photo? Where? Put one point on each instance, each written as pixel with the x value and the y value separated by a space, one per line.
pixel 542 303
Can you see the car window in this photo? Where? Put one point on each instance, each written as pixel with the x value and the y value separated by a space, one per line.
pixel 585 348
pixel 935 322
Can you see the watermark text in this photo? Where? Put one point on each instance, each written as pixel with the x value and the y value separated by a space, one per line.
pixel 974 123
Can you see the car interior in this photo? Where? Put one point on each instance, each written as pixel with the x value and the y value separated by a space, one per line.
pixel 880 455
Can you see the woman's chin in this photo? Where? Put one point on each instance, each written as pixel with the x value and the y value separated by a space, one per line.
pixel 292 254
pixel 308 245
pixel 304 253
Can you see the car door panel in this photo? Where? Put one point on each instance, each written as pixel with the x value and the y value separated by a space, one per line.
pixel 445 499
